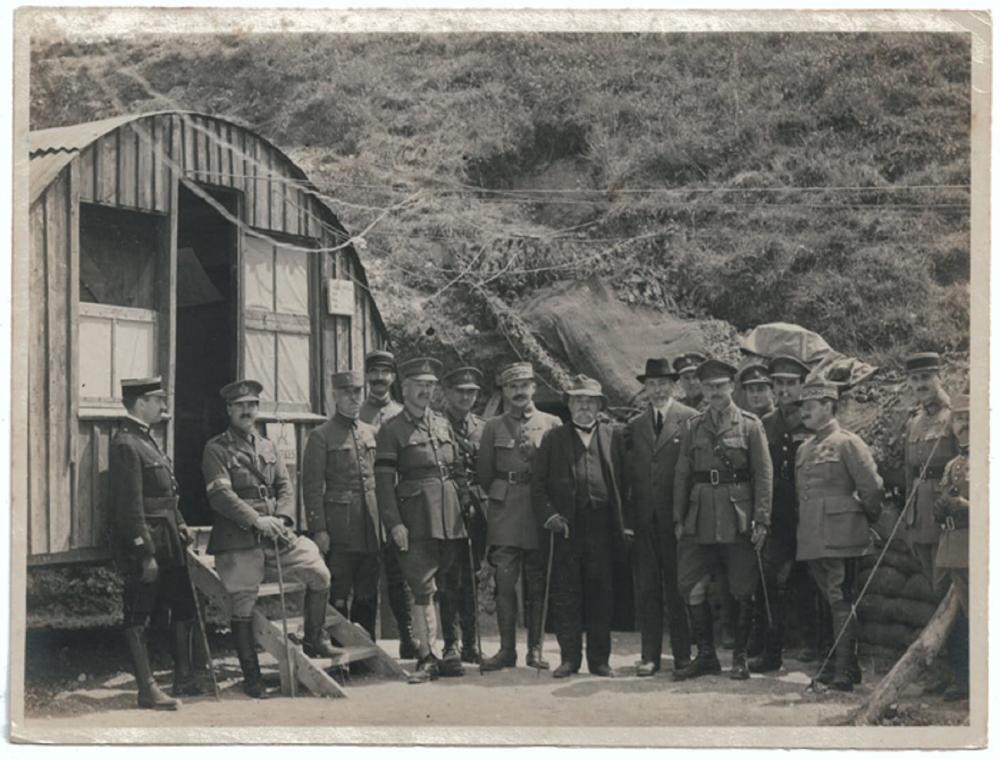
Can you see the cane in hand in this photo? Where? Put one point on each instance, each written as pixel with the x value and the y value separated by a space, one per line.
pixel 289 661
pixel 200 622
pixel 545 598
pixel 763 585
pixel 467 518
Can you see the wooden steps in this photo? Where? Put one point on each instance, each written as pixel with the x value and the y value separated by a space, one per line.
pixel 311 673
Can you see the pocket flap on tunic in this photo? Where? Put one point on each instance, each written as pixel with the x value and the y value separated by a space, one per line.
pixel 843 504
pixel 498 490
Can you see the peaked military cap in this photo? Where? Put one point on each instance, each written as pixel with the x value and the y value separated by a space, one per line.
pixel 688 362
pixel 380 358
pixel 960 404
pixel 923 362
pixel 242 390
pixel 819 390
pixel 657 367
pixel 754 374
pixel 580 385
pixel 788 367
pixel 421 368
pixel 713 370
pixel 464 378
pixel 343 380
pixel 136 388
pixel 520 370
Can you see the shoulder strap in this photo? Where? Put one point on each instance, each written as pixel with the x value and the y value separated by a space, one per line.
pixel 248 464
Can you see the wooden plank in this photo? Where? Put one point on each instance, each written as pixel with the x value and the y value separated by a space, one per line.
pixel 357 322
pixel 272 213
pixel 144 164
pixel 221 154
pixel 107 169
pixel 57 302
pixel 87 173
pixel 261 188
pixel 269 635
pixel 127 157
pixel 211 150
pixel 83 502
pixel 228 159
pixel 159 131
pixel 188 141
pixel 102 493
pixel 72 389
pixel 247 180
pixel 38 453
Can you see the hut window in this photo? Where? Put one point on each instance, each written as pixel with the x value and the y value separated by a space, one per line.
pixel 118 256
pixel 115 343
pixel 276 315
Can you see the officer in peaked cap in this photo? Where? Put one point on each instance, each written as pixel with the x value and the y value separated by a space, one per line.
pixel 686 366
pixel 513 536
pixel 722 509
pixel 577 485
pixel 930 444
pixel 462 387
pixel 379 407
pixel 421 490
pixel 652 444
pixel 254 502
pixel 952 512
pixel 150 540
pixel 338 490
pixel 839 495
pixel 755 380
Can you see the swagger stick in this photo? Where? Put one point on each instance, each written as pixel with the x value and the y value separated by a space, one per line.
pixel 200 622
pixel 289 662
pixel 545 599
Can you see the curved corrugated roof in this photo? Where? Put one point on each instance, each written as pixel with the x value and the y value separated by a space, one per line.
pixel 51 150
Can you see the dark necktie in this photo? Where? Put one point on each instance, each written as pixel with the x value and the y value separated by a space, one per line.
pixel 658 423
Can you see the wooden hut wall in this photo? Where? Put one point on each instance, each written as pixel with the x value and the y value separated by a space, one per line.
pixel 131 168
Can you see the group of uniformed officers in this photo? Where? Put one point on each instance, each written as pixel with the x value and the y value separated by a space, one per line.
pixel 710 497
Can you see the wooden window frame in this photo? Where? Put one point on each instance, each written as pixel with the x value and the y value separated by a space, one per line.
pixel 96 407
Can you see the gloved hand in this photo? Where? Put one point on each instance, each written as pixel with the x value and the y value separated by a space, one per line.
pixel 270 527
pixel 150 569
pixel 401 537
pixel 322 541
pixel 758 536
pixel 557 523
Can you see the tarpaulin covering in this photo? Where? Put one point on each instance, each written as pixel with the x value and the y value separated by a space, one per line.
pixel 595 333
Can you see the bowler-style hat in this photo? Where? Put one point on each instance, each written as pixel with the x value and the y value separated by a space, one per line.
pixel 422 368
pixel 657 367
pixel 242 390
pixel 464 378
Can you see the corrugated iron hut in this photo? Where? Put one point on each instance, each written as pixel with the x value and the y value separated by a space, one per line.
pixel 183 245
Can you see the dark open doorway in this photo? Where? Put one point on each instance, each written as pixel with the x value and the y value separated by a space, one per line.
pixel 206 337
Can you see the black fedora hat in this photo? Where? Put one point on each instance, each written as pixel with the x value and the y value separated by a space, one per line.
pixel 657 367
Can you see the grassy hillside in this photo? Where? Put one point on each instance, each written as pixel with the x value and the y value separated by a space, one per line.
pixel 694 171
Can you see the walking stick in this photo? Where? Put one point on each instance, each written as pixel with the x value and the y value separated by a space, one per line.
pixel 763 585
pixel 475 599
pixel 545 598
pixel 200 622
pixel 289 662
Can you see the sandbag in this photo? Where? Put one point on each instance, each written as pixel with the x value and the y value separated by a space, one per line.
pixel 888 582
pixel 889 635
pixel 918 588
pixel 908 612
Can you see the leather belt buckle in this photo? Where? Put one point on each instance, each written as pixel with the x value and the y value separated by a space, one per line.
pixel 713 477
pixel 262 491
pixel 512 477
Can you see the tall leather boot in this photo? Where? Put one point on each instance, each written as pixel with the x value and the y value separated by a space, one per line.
pixel 770 659
pixel 468 621
pixel 316 643
pixel 150 696
pixel 425 628
pixel 706 662
pixel 363 612
pixel 507 623
pixel 958 658
pixel 399 603
pixel 185 683
pixel 451 657
pixel 246 652
pixel 744 619
pixel 533 619
pixel 844 660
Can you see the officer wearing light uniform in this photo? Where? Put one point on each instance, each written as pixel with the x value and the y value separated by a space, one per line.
pixel 930 442
pixel 462 387
pixel 378 408
pixel 420 483
pixel 722 508
pixel 840 494
pixel 513 535
pixel 338 490
pixel 150 540
pixel 254 502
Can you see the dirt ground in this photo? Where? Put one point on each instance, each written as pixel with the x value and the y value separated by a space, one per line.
pixel 82 681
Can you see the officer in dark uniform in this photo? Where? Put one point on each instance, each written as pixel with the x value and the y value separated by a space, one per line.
pixel 462 387
pixel 686 365
pixel 420 483
pixel 952 512
pixel 755 381
pixel 249 490
pixel 150 540
pixel 722 509
pixel 785 433
pixel 840 494
pixel 378 408
pixel 338 489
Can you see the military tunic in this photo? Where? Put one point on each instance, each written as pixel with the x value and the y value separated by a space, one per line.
pixel 507 449
pixel 929 426
pixel 377 412
pixel 146 523
pixel 783 441
pixel 953 501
